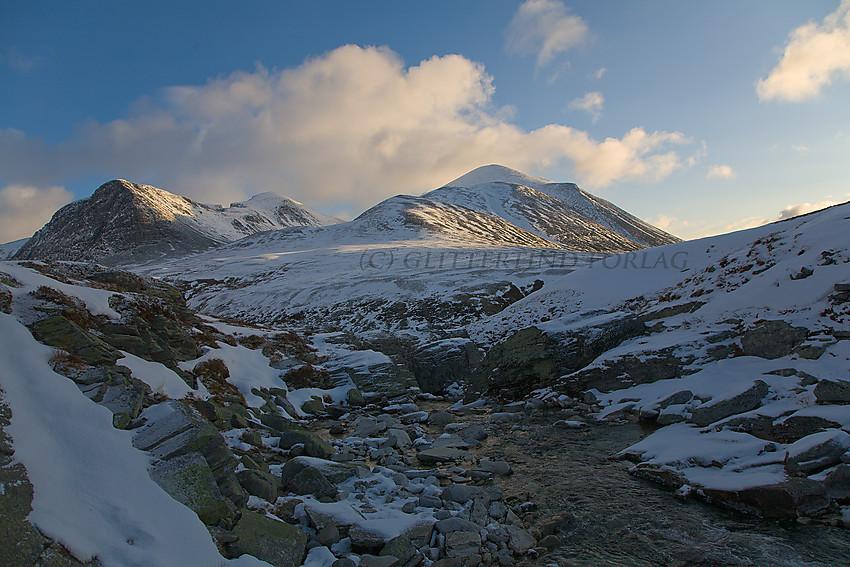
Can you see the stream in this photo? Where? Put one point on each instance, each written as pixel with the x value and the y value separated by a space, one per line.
pixel 604 516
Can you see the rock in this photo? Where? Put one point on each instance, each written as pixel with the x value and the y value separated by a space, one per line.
pixel 817 452
pixel 367 427
pixel 743 402
pixel 308 481
pixel 521 541
pixel 772 339
pixel 497 510
pixel 344 562
pixel 832 392
pixel 439 364
pixel 447 562
pixel 313 406
pixel 59 332
pixel 362 538
pixel 178 430
pixel 550 541
pixel 532 357
pixel 354 397
pixel 279 543
pixel 441 455
pixel 328 535
pixel 189 480
pixel 837 482
pixel 795 427
pixel 455 524
pixel 787 500
pixel 420 532
pixel 259 483
pixel 314 445
pixel 461 493
pixel 462 544
pixel 399 439
pixel 440 418
pixel 367 560
pixel 678 398
pixel 400 547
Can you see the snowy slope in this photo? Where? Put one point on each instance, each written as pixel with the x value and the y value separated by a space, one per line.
pixel 124 222
pixel 744 334
pixel 8 249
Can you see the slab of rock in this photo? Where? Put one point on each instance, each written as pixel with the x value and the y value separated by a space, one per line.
pixel 832 392
pixel 837 482
pixel 367 560
pixel 362 538
pixel 521 541
pixel 817 452
pixel 259 483
pixel 463 544
pixel 401 548
pixel 441 455
pixel 279 543
pixel 455 524
pixel 795 427
pixel 743 402
pixel 59 332
pixel 772 339
pixel 787 500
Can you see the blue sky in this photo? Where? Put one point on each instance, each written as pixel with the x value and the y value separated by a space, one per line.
pixel 702 117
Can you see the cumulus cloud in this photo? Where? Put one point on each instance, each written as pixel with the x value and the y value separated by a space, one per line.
pixel 721 172
pixel 351 127
pixel 545 28
pixel 590 103
pixel 803 208
pixel 24 209
pixel 815 56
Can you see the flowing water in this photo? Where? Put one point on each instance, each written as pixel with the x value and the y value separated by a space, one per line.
pixel 604 516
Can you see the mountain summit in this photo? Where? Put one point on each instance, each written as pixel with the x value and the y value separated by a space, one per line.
pixel 128 223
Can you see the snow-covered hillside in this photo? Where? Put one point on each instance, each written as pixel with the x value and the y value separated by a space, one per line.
pixel 736 345
pixel 125 223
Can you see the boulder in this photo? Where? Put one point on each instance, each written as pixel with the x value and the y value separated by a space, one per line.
pixel 400 547
pixel 832 392
pixel 772 339
pixel 817 452
pixel 59 332
pixel 713 411
pixel 837 482
pixel 795 427
pixel 441 455
pixel 278 543
pixel 521 541
pixel 463 544
pixel 259 483
pixel 786 500
pixel 365 539
pixel 189 480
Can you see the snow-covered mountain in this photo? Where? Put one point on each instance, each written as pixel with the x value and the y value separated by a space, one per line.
pixel 559 212
pixel 8 249
pixel 128 223
pixel 426 265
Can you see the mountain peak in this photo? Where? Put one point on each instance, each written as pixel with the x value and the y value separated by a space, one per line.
pixel 494 173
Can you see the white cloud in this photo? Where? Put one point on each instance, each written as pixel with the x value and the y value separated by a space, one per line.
pixel 545 28
pixel 801 148
pixel 353 126
pixel 815 56
pixel 598 74
pixel 721 172
pixel 803 208
pixel 590 103
pixel 24 209
pixel 14 58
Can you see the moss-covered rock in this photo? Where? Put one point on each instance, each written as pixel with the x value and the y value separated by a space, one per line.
pixel 189 480
pixel 281 544
pixel 57 331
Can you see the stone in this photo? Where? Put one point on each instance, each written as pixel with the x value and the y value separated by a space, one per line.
pixel 440 418
pixel 772 339
pixel 60 332
pixel 367 560
pixel 497 510
pixel 748 400
pixel 832 392
pixel 550 541
pixel 447 562
pixel 786 500
pixel 521 541
pixel 837 482
pixel 420 532
pixel 461 493
pixel 344 562
pixel 462 543
pixel 328 535
pixel 399 439
pixel 259 483
pixel 438 365
pixel 400 547
pixel 441 455
pixel 817 452
pixel 279 543
pixel 189 480
pixel 455 524
pixel 354 397
pixel 795 427
pixel 367 427
pixel 362 538
pixel 313 406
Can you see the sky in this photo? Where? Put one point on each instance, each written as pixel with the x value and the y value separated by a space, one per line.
pixel 700 117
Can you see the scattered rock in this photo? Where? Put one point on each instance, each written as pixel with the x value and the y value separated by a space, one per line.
pixel 745 401
pixel 279 543
pixel 772 339
pixel 832 392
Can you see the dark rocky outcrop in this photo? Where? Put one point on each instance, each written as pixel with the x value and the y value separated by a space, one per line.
pixel 772 339
pixel 438 364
